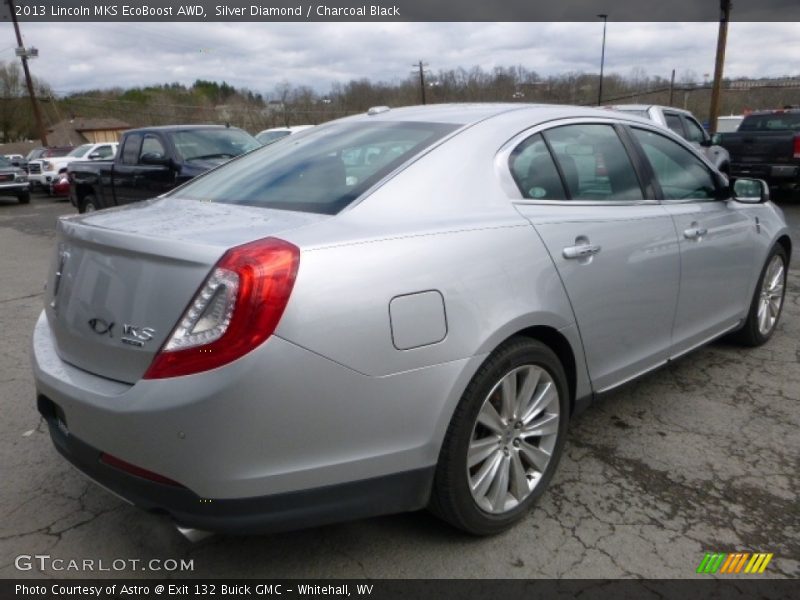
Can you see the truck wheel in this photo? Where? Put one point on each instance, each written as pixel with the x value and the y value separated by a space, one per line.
pixel 24 197
pixel 87 204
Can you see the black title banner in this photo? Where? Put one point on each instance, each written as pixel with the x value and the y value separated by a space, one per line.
pixel 341 589
pixel 398 10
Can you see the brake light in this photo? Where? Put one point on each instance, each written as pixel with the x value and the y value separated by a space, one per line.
pixel 796 146
pixel 235 310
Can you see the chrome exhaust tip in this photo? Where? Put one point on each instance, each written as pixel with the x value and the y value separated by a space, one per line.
pixel 193 535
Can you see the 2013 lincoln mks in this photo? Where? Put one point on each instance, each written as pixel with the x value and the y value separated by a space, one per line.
pixel 392 311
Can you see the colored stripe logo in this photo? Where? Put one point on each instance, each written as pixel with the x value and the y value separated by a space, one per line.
pixel 737 562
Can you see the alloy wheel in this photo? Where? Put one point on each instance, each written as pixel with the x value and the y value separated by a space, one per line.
pixel 771 297
pixel 513 439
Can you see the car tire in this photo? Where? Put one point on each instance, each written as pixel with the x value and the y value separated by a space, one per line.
pixel 24 198
pixel 519 463
pixel 87 204
pixel 767 302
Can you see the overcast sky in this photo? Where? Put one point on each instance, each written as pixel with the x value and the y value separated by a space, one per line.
pixel 79 56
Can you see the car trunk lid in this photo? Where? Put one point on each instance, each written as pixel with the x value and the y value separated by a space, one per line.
pixel 122 278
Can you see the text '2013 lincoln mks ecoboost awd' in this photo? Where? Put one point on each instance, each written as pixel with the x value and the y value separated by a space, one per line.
pixel 392 311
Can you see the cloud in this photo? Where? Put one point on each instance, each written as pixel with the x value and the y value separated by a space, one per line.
pixel 79 56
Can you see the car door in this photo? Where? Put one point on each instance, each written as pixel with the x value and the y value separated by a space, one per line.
pixel 125 169
pixel 716 239
pixel 613 244
pixel 142 179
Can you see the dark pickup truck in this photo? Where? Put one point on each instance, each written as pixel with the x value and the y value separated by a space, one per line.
pixel 152 161
pixel 766 146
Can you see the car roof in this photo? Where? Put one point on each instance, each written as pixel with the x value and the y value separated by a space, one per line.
pixel 469 114
pixel 173 128
pixel 624 107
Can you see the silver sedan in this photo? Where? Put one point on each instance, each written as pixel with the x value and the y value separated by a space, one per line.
pixel 392 311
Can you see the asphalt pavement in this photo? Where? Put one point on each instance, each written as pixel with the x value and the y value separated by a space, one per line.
pixel 700 456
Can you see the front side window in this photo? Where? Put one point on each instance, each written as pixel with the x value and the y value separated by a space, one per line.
pixel 680 174
pixel 152 148
pixel 320 172
pixel 694 133
pixel 594 163
pixel 535 172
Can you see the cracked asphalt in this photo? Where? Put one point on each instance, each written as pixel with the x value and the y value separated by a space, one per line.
pixel 700 456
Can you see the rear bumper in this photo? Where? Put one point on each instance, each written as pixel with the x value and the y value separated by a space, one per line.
pixel 400 492
pixel 284 436
pixel 769 172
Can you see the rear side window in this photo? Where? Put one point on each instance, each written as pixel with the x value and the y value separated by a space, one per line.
pixel 320 172
pixel 594 163
pixel 535 172
pixel 130 151
pixel 680 174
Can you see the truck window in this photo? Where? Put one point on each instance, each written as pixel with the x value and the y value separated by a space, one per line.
pixel 130 149
pixel 152 147
pixel 771 122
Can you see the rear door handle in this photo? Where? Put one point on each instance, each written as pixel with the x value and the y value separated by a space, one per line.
pixel 694 232
pixel 581 251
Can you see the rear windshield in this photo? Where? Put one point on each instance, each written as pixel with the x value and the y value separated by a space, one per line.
pixel 267 137
pixel 321 170
pixel 635 112
pixel 771 122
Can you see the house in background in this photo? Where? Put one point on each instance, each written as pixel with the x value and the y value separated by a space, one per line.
pixel 77 131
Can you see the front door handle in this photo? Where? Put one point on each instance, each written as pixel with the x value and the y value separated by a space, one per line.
pixel 694 232
pixel 581 251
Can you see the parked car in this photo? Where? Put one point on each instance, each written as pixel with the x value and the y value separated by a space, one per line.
pixel 685 125
pixel 14 181
pixel 59 187
pixel 49 167
pixel 269 136
pixel 35 163
pixel 302 336
pixel 152 161
pixel 767 146
pixel 729 123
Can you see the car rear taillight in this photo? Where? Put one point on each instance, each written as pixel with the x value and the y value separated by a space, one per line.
pixel 796 151
pixel 235 310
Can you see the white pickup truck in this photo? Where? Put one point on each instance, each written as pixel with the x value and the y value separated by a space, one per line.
pixel 44 171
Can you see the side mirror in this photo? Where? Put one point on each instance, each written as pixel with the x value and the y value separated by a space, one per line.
pixel 715 139
pixel 750 191
pixel 151 158
pixel 707 142
pixel 94 156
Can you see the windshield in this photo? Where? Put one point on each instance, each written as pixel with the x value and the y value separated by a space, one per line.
pixel 199 144
pixel 267 137
pixel 771 122
pixel 80 150
pixel 321 171
pixel 4 162
pixel 34 154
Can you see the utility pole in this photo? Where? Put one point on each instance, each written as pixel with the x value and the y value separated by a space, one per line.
pixel 421 66
pixel 671 87
pixel 602 60
pixel 24 53
pixel 722 40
